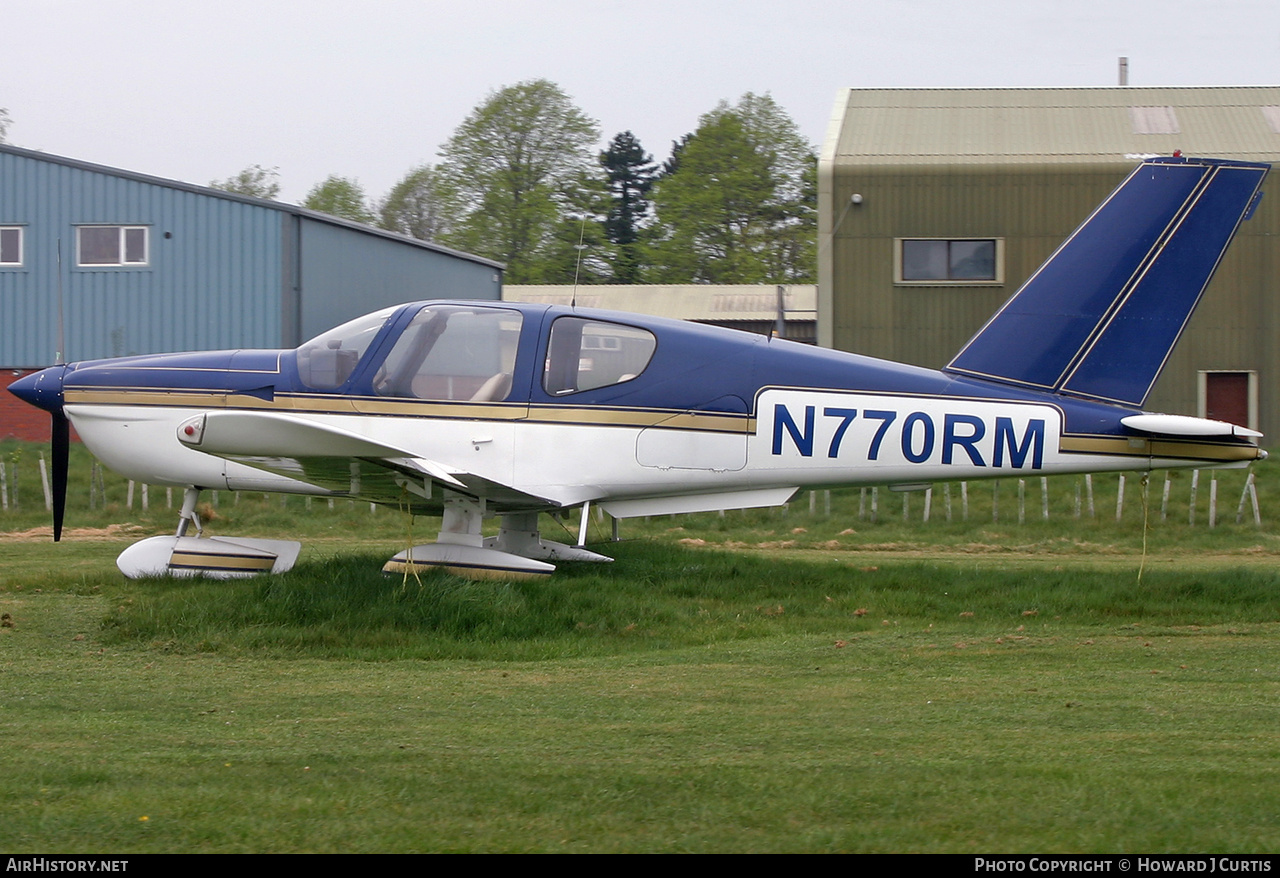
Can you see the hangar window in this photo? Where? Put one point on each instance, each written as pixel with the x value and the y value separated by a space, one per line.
pixel 586 354
pixel 11 246
pixel 111 245
pixel 934 261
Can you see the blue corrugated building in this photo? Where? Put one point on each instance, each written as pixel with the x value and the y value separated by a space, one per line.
pixel 142 264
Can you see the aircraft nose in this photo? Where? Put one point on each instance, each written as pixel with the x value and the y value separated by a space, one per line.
pixel 42 389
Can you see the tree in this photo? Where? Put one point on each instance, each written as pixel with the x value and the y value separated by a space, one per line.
pixel 672 163
pixel 791 249
pixel 414 206
pixel 341 197
pixel 772 131
pixel 510 170
pixel 631 174
pixel 5 121
pixel 254 180
pixel 737 200
pixel 578 251
pixel 711 208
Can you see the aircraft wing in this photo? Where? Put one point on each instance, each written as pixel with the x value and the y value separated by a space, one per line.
pixel 343 462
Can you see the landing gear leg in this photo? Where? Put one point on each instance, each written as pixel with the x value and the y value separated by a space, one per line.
pixel 517 552
pixel 188 514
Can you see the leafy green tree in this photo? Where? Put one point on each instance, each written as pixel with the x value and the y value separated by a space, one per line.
pixel 737 201
pixel 631 174
pixel 510 171
pixel 772 131
pixel 578 250
pixel 254 180
pixel 710 210
pixel 341 197
pixel 414 206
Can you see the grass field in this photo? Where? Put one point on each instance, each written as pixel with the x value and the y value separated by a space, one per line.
pixel 762 681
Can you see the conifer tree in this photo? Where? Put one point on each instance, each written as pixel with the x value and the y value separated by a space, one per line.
pixel 631 173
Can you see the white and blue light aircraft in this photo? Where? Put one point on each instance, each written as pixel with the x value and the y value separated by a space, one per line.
pixel 475 409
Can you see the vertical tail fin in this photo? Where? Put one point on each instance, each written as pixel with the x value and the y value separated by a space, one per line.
pixel 1100 317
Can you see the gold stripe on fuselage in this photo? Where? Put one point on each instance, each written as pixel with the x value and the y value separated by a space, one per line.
pixel 1162 448
pixel 307 403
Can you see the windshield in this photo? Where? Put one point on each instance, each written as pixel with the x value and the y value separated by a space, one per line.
pixel 327 361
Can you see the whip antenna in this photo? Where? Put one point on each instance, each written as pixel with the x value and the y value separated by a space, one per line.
pixel 582 231
pixel 58 357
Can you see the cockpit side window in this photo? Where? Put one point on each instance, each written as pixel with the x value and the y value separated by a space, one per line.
pixel 586 354
pixel 327 361
pixel 453 352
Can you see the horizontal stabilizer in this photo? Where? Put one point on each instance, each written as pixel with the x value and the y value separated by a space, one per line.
pixel 1099 319
pixel 1182 425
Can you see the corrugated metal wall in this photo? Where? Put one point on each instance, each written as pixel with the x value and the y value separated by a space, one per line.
pixel 345 275
pixel 221 272
pixel 1030 209
pixel 1033 210
pixel 212 278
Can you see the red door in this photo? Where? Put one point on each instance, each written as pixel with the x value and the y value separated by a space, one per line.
pixel 1227 397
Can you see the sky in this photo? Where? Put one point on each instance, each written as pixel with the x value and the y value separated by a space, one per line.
pixel 197 91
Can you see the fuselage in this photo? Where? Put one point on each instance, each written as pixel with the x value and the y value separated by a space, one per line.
pixel 573 405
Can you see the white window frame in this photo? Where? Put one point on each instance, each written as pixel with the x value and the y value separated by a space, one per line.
pixel 21 252
pixel 122 246
pixel 900 280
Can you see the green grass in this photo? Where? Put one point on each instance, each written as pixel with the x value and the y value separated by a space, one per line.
pixel 680 699
pixel 656 597
pixel 759 681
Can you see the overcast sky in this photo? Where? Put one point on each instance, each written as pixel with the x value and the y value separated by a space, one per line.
pixel 198 90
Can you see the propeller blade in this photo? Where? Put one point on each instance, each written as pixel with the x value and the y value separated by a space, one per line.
pixel 60 440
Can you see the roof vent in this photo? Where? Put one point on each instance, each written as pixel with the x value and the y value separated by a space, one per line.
pixel 1272 115
pixel 1154 120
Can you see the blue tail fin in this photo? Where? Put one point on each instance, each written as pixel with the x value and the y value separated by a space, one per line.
pixel 1099 319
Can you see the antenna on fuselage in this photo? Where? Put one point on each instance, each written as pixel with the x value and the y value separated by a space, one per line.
pixel 59 356
pixel 582 231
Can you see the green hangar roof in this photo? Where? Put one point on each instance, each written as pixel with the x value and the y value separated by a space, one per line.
pixel 1050 125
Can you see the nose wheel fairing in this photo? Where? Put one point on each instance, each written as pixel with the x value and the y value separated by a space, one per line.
pixel 211 557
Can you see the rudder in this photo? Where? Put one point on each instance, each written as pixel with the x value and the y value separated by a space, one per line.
pixel 1100 317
